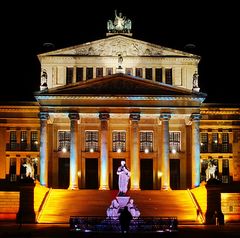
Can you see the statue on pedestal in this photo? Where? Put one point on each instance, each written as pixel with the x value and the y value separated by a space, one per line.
pixel 123 178
pixel 210 171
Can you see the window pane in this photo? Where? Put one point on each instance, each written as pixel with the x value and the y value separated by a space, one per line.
pixel 139 72
pixel 148 73
pixel 119 141
pixel 146 141
pixel 174 141
pixel 158 74
pixel 64 140
pixel 91 141
pixel 168 74
pixel 99 72
pixel 89 73
pixel 79 76
pixel 69 76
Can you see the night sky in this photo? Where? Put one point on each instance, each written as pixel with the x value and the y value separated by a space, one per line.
pixel 212 28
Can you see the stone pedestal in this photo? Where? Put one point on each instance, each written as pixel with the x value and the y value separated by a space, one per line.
pixel 214 213
pixel 123 201
pixel 26 213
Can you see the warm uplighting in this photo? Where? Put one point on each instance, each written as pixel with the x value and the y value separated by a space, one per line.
pixel 91 150
pixel 35 142
pixel 64 150
pixel 159 174
pixel 215 141
pixel 79 173
pixel 174 151
pixel 119 150
pixel 146 151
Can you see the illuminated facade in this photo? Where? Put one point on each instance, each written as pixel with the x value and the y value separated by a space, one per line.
pixel 116 99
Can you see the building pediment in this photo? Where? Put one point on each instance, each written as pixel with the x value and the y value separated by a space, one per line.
pixel 118 44
pixel 118 84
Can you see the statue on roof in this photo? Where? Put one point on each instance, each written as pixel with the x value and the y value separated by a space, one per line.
pixel 195 82
pixel 120 24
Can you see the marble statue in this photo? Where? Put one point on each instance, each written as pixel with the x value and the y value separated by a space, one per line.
pixel 29 169
pixel 123 178
pixel 113 210
pixel 195 82
pixel 210 171
pixel 133 209
pixel 120 60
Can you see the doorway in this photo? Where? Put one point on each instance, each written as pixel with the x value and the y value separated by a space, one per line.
pixel 146 174
pixel 175 173
pixel 91 173
pixel 63 172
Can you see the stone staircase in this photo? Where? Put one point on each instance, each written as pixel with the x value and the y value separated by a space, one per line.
pixel 60 204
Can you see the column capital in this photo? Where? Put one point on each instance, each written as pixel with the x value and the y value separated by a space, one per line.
pixel 104 116
pixel 195 117
pixel 43 116
pixel 165 116
pixel 135 116
pixel 73 116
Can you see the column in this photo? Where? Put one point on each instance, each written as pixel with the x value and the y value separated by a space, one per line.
pixel 165 151
pixel 134 151
pixel 195 117
pixel 104 170
pixel 43 149
pixel 73 183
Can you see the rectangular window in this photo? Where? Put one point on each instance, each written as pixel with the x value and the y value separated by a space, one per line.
pixel 139 72
pixel 204 142
pixel 225 143
pixel 146 141
pixel 13 140
pixel 158 73
pixel 99 72
pixel 23 140
pixel 69 76
pixel 119 141
pixel 148 72
pixel 168 75
pixel 174 141
pixel 89 73
pixel 79 74
pixel 225 171
pixel 215 142
pixel 34 141
pixel 12 172
pixel 129 71
pixel 109 71
pixel 63 140
pixel 91 141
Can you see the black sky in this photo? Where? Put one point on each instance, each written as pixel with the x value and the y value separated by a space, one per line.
pixel 212 27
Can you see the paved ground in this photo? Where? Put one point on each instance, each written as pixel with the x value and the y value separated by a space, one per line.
pixel 12 230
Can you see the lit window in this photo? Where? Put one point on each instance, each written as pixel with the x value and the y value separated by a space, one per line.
pixel 23 140
pixel 146 141
pixel 119 141
pixel 63 140
pixel 91 141
pixel 174 141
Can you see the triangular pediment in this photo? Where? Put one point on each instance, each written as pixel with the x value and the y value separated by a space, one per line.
pixel 118 84
pixel 118 44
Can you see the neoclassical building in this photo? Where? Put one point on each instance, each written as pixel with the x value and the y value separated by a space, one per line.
pixel 114 99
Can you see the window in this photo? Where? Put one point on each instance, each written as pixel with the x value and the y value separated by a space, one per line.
pixel 129 71
pixel 148 72
pixel 214 142
pixel 69 76
pixel 225 171
pixel 63 140
pixel 89 73
pixel 91 141
pixel 34 140
pixel 139 72
pixel 12 172
pixel 23 140
pixel 79 74
pixel 204 142
pixel 225 143
pixel 119 141
pixel 158 72
pixel 168 75
pixel 174 141
pixel 109 71
pixel 99 72
pixel 146 141
pixel 13 140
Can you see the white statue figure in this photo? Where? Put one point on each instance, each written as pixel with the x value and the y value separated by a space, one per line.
pixel 195 82
pixel 210 171
pixel 132 208
pixel 29 169
pixel 113 210
pixel 119 21
pixel 120 60
pixel 123 178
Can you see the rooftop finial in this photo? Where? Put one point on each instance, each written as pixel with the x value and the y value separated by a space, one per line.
pixel 120 25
